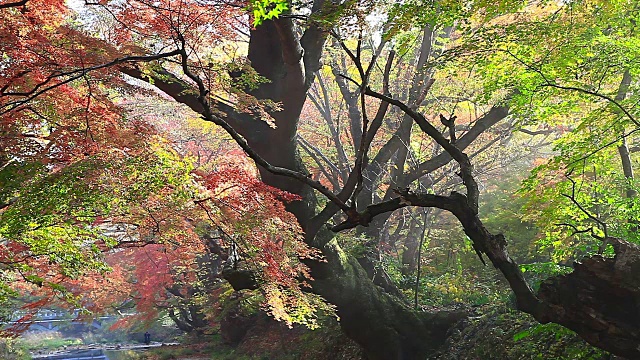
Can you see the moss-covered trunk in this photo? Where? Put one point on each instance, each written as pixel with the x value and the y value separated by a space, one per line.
pixel 385 327
pixel 381 324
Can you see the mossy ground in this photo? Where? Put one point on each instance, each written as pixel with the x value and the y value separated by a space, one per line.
pixel 505 334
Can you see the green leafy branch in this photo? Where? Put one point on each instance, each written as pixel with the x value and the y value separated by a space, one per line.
pixel 267 9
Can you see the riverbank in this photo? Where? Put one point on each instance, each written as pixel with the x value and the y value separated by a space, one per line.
pixel 42 354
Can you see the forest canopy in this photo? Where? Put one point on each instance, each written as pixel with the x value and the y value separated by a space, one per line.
pixel 388 164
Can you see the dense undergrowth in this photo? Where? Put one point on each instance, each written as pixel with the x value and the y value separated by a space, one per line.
pixel 492 332
pixel 503 333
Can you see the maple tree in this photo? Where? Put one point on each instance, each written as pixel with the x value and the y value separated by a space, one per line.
pixel 241 224
pixel 80 177
pixel 62 124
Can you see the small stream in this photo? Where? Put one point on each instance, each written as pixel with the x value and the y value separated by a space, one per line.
pixel 123 354
pixel 92 354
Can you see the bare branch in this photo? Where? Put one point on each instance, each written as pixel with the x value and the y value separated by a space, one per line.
pixel 572 198
pixel 460 157
pixel 13 4
pixel 317 155
pixel 74 75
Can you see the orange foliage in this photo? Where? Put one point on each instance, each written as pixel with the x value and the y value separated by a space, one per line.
pixel 60 105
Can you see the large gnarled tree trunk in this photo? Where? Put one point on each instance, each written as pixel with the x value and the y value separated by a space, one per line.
pixel 384 326
pixel 600 300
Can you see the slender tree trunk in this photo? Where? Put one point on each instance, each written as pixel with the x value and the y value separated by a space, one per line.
pixel 623 149
pixel 425 234
pixel 627 167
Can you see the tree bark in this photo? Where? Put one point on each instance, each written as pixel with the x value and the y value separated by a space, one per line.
pixel 600 300
pixel 623 149
pixel 382 325
pixel 385 327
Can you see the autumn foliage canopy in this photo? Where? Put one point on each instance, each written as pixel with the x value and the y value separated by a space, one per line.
pixel 102 210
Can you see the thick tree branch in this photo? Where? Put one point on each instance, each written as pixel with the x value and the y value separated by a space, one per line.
pixel 466 168
pixel 13 4
pixel 291 49
pixel 314 37
pixel 208 115
pixel 495 115
pixel 494 246
pixel 73 75
pixel 536 132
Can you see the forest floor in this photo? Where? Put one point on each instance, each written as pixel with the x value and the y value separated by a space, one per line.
pixel 489 333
